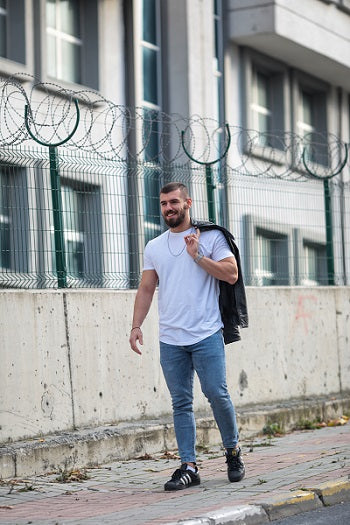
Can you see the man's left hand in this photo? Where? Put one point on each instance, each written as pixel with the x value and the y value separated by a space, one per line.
pixel 192 243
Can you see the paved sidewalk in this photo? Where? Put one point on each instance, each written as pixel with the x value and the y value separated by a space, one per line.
pixel 285 475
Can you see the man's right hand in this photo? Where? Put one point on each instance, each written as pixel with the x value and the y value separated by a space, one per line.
pixel 135 337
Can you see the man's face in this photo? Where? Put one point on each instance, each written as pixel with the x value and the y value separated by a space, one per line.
pixel 174 208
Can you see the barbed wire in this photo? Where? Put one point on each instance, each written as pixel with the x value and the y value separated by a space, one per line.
pixel 48 112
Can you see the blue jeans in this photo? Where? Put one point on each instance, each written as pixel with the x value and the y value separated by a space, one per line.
pixel 207 358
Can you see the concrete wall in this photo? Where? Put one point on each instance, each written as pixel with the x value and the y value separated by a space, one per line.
pixel 66 362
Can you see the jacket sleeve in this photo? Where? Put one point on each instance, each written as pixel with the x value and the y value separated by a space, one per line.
pixel 232 300
pixel 232 303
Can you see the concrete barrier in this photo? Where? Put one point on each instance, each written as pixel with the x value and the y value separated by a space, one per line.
pixel 66 363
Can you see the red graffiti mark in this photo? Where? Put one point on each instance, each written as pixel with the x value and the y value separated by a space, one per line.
pixel 301 312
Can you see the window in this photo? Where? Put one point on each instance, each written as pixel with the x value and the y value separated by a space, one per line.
pixel 5 222
pixel 268 106
pixel 72 41
pixel 63 40
pixel 266 94
pixel 307 114
pixel 81 214
pixel 268 252
pixel 310 257
pixel 218 61
pixel 315 264
pixel 151 102
pixel 12 30
pixel 3 28
pixel 278 254
pixel 14 221
pixel 312 123
pixel 272 258
pixel 151 64
pixel 73 212
pixel 306 127
pixel 261 107
pixel 264 264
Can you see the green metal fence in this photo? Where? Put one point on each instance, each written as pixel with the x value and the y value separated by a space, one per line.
pixel 79 192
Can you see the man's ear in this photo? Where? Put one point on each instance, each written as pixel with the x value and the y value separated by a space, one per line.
pixel 188 203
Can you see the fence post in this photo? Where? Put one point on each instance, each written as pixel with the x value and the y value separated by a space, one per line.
pixel 328 211
pixel 210 192
pixel 208 173
pixel 329 232
pixel 57 213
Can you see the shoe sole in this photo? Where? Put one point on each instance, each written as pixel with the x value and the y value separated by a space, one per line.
pixel 170 489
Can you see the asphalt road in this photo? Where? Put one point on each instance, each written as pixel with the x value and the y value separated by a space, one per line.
pixel 334 515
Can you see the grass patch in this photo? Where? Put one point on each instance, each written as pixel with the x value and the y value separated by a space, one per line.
pixel 27 488
pixel 306 424
pixel 71 476
pixel 261 481
pixel 252 446
pixel 273 429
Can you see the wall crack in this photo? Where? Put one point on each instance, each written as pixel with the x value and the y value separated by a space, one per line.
pixel 66 325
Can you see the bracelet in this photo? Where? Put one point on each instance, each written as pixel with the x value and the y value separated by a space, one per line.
pixel 134 328
pixel 198 258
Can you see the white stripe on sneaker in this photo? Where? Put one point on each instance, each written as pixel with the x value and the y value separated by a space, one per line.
pixel 186 479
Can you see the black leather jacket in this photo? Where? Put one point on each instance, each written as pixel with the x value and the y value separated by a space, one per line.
pixel 232 300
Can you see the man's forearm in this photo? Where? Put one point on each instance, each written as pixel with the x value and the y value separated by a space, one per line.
pixel 225 270
pixel 142 305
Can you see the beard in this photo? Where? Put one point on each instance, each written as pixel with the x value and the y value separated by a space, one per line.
pixel 175 220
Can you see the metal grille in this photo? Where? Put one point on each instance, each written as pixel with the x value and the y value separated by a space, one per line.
pixel 80 180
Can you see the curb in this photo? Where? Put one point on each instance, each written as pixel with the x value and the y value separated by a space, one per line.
pixel 285 505
pixel 93 446
pixel 281 506
pixel 240 515
pixel 334 492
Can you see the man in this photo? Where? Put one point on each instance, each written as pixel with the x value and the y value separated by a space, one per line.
pixel 188 266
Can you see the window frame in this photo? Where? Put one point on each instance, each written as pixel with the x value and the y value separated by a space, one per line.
pixel 4 13
pixel 19 59
pixel 91 199
pixel 253 227
pixel 5 218
pixel 253 63
pixel 90 78
pixel 18 221
pixel 320 93
pixel 139 79
pixel 258 109
pixel 302 240
pixel 62 37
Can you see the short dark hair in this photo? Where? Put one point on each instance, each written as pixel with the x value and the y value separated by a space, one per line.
pixel 173 186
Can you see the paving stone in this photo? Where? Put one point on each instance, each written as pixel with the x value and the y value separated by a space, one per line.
pixel 299 471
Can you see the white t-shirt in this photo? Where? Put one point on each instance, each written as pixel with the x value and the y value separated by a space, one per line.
pixel 188 297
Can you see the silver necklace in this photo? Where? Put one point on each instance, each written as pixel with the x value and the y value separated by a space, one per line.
pixel 170 251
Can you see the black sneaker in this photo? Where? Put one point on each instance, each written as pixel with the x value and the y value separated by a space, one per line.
pixel 182 478
pixel 235 465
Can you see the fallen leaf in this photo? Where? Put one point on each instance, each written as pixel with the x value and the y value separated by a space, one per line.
pixel 338 422
pixel 169 455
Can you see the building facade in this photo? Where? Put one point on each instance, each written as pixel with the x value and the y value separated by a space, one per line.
pixel 279 68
